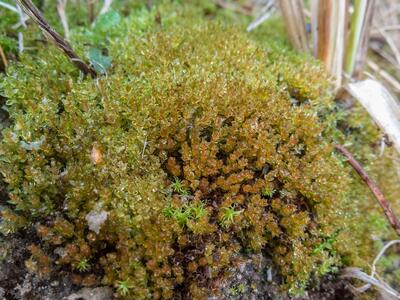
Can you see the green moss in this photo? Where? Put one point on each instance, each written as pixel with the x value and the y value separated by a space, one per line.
pixel 198 143
pixel 364 139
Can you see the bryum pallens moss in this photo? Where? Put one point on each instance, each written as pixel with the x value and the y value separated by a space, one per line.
pixel 196 145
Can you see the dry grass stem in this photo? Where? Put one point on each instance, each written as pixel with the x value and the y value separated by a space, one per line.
pixel 370 280
pixel 393 220
pixel 380 254
pixel 314 26
pixel 106 6
pixel 386 17
pixel 266 11
pixel 55 37
pixel 388 28
pixel 21 14
pixel 91 9
pixel 324 46
pixel 3 57
pixel 8 6
pixel 21 47
pixel 381 106
pixel 329 30
pixel 293 16
pixel 377 47
pixel 393 82
pixel 391 44
pixel 61 9
pixel 382 286
pixel 341 19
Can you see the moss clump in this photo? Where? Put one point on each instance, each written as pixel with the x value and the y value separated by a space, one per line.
pixel 198 144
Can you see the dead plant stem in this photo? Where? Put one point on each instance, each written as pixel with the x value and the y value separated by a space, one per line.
pixel 393 220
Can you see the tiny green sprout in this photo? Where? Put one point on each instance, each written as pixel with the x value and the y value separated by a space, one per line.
pixel 135 265
pixel 182 215
pixel 237 290
pixel 169 211
pixel 123 287
pixel 83 265
pixel 178 187
pixel 197 211
pixel 327 244
pixel 229 214
pixel 327 266
pixel 186 212
pixel 233 291
pixel 268 192
pixel 241 288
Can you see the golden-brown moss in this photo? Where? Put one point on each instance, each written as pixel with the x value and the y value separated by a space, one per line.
pixel 198 144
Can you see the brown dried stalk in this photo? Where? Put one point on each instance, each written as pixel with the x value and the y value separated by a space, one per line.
pixel 393 220
pixel 293 16
pixel 384 75
pixel 3 58
pixel 329 28
pixel 91 9
pixel 32 11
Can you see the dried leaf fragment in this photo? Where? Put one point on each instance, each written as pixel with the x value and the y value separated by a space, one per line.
pixel 96 156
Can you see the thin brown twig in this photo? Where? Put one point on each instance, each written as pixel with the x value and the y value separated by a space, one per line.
pixel 32 11
pixel 3 58
pixel 393 220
